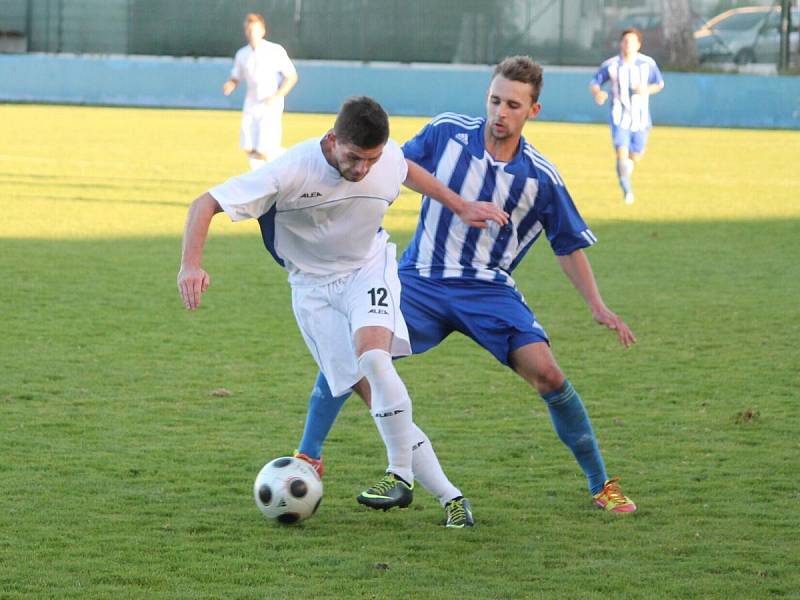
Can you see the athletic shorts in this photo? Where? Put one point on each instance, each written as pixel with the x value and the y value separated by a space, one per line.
pixel 494 315
pixel 329 315
pixel 262 129
pixel 634 141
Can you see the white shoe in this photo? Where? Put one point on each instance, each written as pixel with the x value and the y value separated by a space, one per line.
pixel 629 198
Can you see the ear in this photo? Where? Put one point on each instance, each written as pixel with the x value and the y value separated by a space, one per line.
pixel 534 112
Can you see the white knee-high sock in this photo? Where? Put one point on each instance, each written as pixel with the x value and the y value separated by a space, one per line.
pixel 391 410
pixel 427 469
pixel 255 163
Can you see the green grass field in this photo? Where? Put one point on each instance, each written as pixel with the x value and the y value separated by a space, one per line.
pixel 123 476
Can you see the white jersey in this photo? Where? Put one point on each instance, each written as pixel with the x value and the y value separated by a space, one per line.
pixel 315 223
pixel 263 69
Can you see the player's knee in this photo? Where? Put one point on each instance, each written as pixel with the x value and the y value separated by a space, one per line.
pixel 547 379
pixel 375 364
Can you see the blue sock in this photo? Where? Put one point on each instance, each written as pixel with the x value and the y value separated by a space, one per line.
pixel 323 409
pixel 574 428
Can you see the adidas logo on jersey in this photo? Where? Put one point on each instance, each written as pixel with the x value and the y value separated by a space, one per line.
pixel 463 138
pixel 311 195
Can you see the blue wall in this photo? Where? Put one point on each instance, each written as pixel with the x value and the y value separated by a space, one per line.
pixel 688 99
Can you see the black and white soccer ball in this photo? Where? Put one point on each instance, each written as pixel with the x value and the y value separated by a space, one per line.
pixel 287 490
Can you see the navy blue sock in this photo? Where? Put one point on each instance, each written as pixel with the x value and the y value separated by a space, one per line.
pixel 323 408
pixel 574 428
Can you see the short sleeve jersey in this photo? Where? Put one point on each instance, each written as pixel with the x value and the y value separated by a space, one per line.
pixel 528 188
pixel 263 69
pixel 628 109
pixel 315 223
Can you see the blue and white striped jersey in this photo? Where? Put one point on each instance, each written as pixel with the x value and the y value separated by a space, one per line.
pixel 628 109
pixel 528 188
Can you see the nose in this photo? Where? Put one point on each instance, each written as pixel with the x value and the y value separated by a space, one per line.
pixel 361 167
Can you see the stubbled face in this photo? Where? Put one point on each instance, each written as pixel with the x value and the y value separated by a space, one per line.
pixel 629 44
pixel 508 106
pixel 354 162
pixel 254 32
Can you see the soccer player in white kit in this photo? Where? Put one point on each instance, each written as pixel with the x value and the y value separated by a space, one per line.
pixel 320 208
pixel 633 77
pixel 270 75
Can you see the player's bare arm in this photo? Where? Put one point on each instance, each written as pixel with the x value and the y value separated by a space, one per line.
pixel 474 214
pixel 577 268
pixel 192 279
pixel 289 81
pixel 229 86
pixel 598 94
pixel 648 89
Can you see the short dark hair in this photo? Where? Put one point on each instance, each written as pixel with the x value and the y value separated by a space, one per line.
pixel 362 122
pixel 523 69
pixel 632 30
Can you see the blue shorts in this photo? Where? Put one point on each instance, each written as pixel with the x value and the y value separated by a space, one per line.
pixel 634 141
pixel 494 315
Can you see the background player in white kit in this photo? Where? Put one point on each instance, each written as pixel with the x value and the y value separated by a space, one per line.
pixel 320 208
pixel 633 77
pixel 270 75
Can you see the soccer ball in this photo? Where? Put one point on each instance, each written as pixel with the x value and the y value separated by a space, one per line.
pixel 288 490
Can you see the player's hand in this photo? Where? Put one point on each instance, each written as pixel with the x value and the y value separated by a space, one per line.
pixel 605 317
pixel 228 87
pixel 477 214
pixel 192 282
pixel 270 100
pixel 600 97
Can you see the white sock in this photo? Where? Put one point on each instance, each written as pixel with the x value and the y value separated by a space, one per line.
pixel 276 153
pixel 391 410
pixel 255 162
pixel 428 471
pixel 629 165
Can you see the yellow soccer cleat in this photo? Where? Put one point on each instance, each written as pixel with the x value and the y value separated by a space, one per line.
pixel 612 499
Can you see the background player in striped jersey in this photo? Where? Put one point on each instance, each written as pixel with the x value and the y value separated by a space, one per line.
pixel 269 74
pixel 458 278
pixel 320 208
pixel 633 77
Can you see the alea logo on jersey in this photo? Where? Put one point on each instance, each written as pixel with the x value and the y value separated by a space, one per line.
pixel 377 311
pixel 311 195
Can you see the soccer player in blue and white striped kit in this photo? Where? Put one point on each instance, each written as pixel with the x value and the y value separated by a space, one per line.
pixel 459 278
pixel 633 77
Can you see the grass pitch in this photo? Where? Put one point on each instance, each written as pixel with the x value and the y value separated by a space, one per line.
pixel 123 476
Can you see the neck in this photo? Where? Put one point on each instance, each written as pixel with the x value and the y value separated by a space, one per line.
pixel 327 150
pixel 629 57
pixel 502 149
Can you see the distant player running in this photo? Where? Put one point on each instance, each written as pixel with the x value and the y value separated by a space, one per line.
pixel 270 75
pixel 633 77
pixel 458 278
pixel 320 208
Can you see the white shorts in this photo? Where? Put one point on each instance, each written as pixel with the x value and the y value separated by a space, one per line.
pixel 262 129
pixel 329 315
